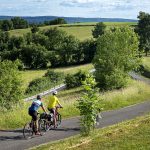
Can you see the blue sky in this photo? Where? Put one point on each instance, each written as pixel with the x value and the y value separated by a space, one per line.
pixel 75 8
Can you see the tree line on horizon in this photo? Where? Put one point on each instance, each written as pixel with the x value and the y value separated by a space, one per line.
pixel 20 23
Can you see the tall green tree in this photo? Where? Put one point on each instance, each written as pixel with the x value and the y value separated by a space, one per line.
pixel 116 55
pixel 41 39
pixel 143 29
pixel 69 50
pixel 56 38
pixel 7 25
pixel 87 50
pixel 99 29
pixel 10 84
pixel 34 56
pixel 4 38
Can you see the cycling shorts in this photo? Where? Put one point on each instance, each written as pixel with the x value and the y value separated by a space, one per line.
pixel 33 114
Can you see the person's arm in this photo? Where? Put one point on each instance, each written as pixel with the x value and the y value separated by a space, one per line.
pixel 59 103
pixel 43 108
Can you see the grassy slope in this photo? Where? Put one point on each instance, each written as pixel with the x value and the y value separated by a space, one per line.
pixel 129 135
pixel 146 63
pixel 29 75
pixel 135 92
pixel 81 32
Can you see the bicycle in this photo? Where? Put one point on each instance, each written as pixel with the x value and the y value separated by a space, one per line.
pixel 47 122
pixel 29 129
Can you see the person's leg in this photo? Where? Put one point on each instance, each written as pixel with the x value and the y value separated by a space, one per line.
pixel 53 111
pixel 36 124
pixel 54 117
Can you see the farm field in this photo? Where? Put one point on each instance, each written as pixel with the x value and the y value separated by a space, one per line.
pixel 81 31
pixel 127 135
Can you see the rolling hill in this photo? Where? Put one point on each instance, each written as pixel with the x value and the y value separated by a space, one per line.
pixel 41 19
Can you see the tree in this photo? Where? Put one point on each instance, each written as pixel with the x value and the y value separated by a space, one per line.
pixel 143 29
pixel 34 56
pixel 87 49
pixel 116 55
pixel 88 105
pixel 10 84
pixel 41 39
pixel 7 25
pixel 34 29
pixel 4 38
pixel 19 23
pixel 68 50
pixel 56 38
pixel 99 29
pixel 15 42
pixel 56 21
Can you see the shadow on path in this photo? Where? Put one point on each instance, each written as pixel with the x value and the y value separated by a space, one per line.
pixel 14 138
pixel 66 129
pixel 15 131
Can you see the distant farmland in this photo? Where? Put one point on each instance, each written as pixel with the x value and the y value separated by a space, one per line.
pixel 81 31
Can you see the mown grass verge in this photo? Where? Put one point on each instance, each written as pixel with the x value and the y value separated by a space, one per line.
pixel 136 92
pixel 129 135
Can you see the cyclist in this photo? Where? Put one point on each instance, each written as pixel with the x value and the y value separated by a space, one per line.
pixel 33 112
pixel 53 105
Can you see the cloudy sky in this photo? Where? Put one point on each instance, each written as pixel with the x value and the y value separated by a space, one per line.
pixel 75 8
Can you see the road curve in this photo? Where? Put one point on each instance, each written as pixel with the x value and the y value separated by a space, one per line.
pixel 13 139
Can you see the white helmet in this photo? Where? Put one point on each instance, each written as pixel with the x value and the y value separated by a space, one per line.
pixel 55 92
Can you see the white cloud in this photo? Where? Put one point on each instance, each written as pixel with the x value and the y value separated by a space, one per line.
pixel 110 4
pixel 78 8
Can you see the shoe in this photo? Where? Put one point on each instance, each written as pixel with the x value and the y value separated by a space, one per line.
pixel 37 133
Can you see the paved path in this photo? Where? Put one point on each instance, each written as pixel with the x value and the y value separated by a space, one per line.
pixel 13 140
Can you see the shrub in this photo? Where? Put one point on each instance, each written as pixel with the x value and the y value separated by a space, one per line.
pixel 75 80
pixel 88 105
pixel 38 85
pixel 10 84
pixel 117 79
pixel 50 79
pixel 54 76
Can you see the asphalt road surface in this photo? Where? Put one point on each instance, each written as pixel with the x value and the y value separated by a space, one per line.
pixel 13 139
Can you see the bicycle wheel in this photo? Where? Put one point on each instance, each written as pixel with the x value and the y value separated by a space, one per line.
pixel 28 131
pixel 58 119
pixel 42 126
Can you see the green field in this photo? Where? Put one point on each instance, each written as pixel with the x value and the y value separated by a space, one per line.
pixel 129 135
pixel 81 31
pixel 29 75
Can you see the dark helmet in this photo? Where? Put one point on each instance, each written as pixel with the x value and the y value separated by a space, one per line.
pixel 39 97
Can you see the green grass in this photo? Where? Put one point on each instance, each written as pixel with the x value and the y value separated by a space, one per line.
pixel 146 63
pixel 29 75
pixel 81 31
pixel 135 92
pixel 129 135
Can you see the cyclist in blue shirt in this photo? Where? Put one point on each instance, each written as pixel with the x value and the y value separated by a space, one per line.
pixel 36 104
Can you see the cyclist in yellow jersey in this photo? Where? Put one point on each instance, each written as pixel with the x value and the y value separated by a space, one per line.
pixel 53 103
